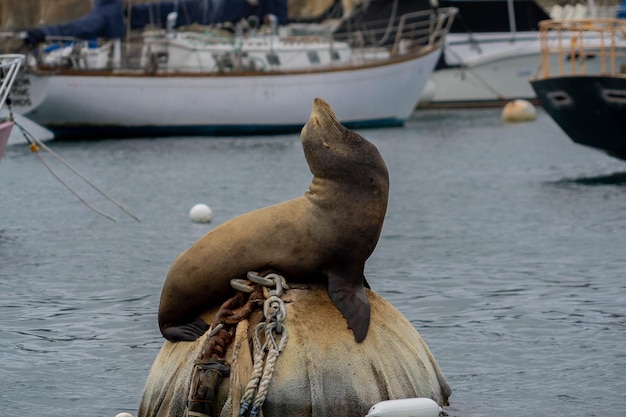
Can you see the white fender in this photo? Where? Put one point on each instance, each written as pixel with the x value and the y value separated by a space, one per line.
pixel 408 407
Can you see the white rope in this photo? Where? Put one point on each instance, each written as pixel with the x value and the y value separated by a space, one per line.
pixel 257 371
pixel 275 339
pixel 268 371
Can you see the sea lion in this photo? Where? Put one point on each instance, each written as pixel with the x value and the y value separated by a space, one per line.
pixel 326 235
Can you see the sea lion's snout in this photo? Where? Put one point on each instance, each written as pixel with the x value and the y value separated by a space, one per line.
pixel 322 118
pixel 322 112
pixel 321 104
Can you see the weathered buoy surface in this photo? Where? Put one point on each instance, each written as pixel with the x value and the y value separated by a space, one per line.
pixel 407 407
pixel 519 111
pixel 321 372
pixel 201 213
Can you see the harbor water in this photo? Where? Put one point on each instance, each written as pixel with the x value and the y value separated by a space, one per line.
pixel 504 245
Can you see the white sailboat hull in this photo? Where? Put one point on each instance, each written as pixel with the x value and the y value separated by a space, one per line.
pixel 384 94
pixel 498 68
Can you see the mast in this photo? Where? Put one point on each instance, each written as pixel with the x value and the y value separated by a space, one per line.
pixel 512 24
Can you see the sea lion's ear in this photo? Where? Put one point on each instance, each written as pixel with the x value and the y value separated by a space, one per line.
pixel 350 299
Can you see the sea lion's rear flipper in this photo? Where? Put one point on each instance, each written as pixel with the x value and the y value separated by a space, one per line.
pixel 185 332
pixel 350 299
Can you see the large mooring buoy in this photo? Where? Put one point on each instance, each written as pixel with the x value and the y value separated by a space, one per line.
pixel 519 111
pixel 321 371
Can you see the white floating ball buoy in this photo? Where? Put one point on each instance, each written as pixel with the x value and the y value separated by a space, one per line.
pixel 124 415
pixel 519 111
pixel 407 407
pixel 201 213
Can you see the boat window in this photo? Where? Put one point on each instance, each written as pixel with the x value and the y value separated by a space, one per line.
pixel 614 96
pixel 334 55
pixel 314 58
pixel 273 59
pixel 560 98
pixel 224 62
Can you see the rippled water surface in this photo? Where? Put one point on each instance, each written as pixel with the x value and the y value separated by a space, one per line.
pixel 505 246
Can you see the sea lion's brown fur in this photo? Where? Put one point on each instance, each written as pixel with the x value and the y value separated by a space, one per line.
pixel 325 235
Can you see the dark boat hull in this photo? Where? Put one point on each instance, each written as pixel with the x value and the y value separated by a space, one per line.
pixel 591 110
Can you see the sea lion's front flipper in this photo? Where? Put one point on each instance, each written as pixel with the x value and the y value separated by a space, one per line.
pixel 185 332
pixel 350 299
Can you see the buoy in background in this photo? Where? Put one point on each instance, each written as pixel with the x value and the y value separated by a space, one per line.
pixel 408 407
pixel 201 213
pixel 519 111
pixel 124 415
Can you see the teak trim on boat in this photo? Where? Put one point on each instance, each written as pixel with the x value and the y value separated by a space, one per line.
pixel 606 34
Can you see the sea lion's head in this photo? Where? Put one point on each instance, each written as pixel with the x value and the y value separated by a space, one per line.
pixel 322 121
pixel 336 152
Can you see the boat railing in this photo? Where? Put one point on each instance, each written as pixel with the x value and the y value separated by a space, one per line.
pixel 582 47
pixel 204 52
pixel 416 29
pixel 9 68
pixel 68 52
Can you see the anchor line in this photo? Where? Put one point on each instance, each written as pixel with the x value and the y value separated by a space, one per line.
pixel 35 144
pixel 85 202
pixel 481 80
